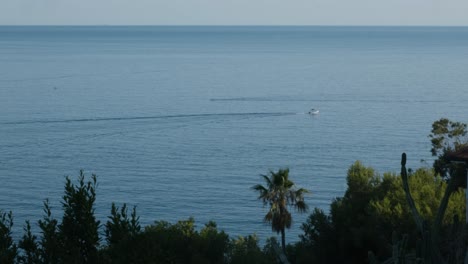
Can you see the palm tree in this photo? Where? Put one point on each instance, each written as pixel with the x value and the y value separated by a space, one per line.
pixel 280 193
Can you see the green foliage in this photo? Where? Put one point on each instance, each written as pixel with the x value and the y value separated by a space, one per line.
pixel 280 194
pixel 174 240
pixel 164 242
pixel 454 241
pixel 429 248
pixel 317 240
pixel 272 252
pixel 29 246
pixel 78 232
pixel 49 243
pixel 120 231
pixel 245 250
pixel 212 243
pixel 8 249
pixel 371 209
pixel 76 238
pixel 427 191
pixel 120 226
pixel 447 136
pixel 400 254
pixel 356 228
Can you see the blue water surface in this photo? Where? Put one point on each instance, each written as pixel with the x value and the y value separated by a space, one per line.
pixel 181 121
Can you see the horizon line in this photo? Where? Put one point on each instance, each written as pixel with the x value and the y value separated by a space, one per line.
pixel 216 25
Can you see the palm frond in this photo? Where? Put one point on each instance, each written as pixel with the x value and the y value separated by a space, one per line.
pixel 280 193
pixel 259 188
pixel 301 191
pixel 268 217
pixel 301 206
pixel 268 180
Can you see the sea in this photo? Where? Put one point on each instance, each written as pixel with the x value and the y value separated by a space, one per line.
pixel 182 121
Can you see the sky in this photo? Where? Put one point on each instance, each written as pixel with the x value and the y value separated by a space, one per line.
pixel 234 12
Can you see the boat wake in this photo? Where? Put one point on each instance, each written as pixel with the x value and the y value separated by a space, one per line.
pixel 116 119
pixel 322 100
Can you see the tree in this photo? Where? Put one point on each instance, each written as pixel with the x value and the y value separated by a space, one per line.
pixel 49 242
pixel 29 246
pixel 280 193
pixel 211 243
pixel 8 249
pixel 427 190
pixel 120 226
pixel 78 232
pixel 371 210
pixel 318 240
pixel 355 226
pixel 245 250
pixel 447 136
pixel 163 242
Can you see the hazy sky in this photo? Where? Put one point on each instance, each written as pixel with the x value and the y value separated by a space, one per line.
pixel 234 12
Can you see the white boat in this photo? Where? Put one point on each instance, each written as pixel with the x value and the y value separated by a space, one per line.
pixel 313 111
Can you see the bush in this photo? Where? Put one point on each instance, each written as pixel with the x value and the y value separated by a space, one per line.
pixel 370 210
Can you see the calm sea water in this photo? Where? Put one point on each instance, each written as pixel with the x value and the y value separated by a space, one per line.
pixel 181 121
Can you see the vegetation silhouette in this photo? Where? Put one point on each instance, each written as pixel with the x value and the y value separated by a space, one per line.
pixel 446 137
pixel 429 248
pixel 279 194
pixel 77 237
